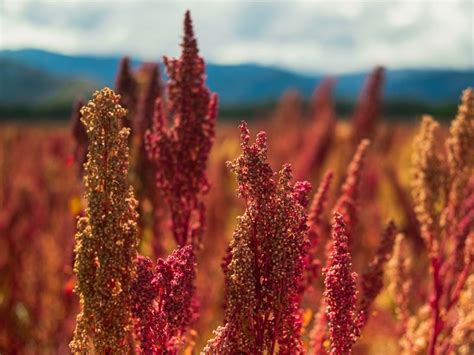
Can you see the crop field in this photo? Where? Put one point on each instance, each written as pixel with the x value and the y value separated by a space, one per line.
pixel 148 225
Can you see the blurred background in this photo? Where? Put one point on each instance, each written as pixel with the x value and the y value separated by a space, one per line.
pixel 309 73
pixel 53 51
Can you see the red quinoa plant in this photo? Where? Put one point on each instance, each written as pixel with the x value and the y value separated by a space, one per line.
pixel 126 87
pixel 80 136
pixel 368 109
pixel 129 303
pixel 180 148
pixel 318 138
pixel 266 265
pixel 341 293
pixel 341 314
pixel 162 297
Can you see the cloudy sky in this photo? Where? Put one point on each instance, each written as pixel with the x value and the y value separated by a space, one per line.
pixel 306 36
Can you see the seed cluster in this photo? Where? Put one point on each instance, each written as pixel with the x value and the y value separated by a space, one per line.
pixel 163 304
pixel 180 149
pixel 106 239
pixel 267 258
pixel 341 293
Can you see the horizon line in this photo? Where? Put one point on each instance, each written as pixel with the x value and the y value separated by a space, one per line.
pixel 263 65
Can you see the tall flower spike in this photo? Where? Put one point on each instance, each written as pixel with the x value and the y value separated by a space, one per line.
pixel 427 181
pixel 180 152
pixel 289 110
pixel 318 334
pixel 438 184
pixel 400 286
pixel 460 156
pixel 80 136
pixel 463 228
pixel 106 240
pixel 322 96
pixel 146 103
pixel 399 268
pixel 317 206
pixel 320 133
pixel 460 144
pixel 267 250
pixel 341 293
pixel 314 224
pixel 126 87
pixel 463 332
pixel 404 199
pixel 347 202
pixel 149 78
pixel 372 280
pixel 368 108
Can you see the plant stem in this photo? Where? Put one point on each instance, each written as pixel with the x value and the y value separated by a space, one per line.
pixel 435 305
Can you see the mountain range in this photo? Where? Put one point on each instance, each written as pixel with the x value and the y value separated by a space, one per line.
pixel 36 76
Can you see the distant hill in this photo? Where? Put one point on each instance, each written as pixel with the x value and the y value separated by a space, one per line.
pixel 99 69
pixel 433 86
pixel 21 84
pixel 41 75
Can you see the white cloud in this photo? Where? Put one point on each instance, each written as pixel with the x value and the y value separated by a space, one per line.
pixel 312 36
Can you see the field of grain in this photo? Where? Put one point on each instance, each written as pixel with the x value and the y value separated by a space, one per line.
pixel 150 226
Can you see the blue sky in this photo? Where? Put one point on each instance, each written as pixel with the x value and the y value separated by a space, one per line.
pixel 306 36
